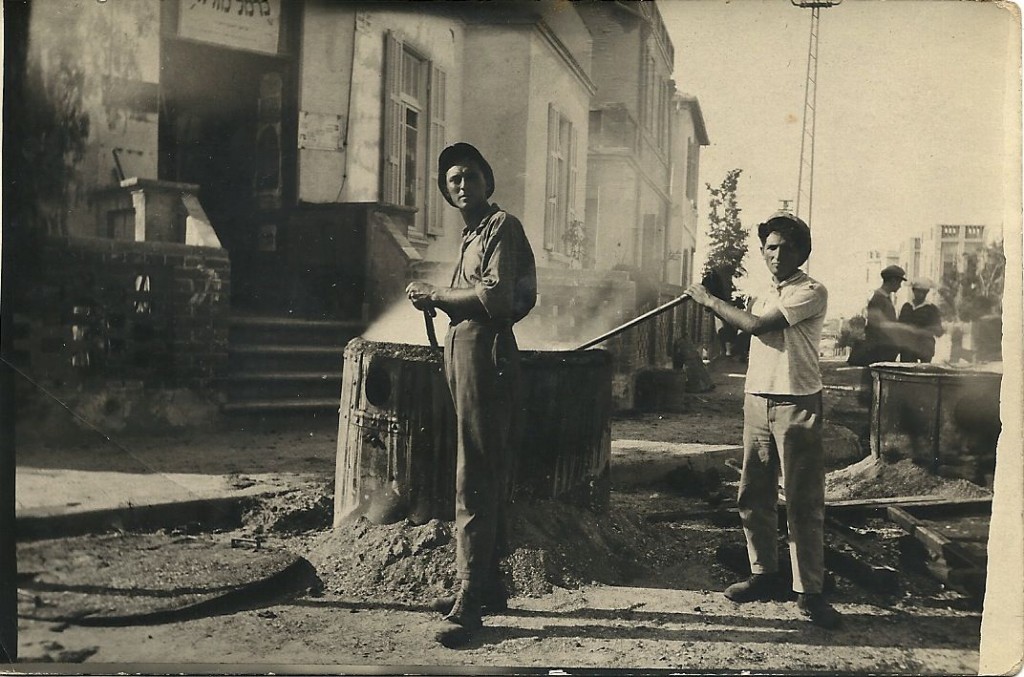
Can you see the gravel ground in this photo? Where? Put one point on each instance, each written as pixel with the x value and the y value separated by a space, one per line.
pixel 636 588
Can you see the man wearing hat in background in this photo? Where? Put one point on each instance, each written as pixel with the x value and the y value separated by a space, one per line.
pixel 882 331
pixel 782 422
pixel 494 285
pixel 925 322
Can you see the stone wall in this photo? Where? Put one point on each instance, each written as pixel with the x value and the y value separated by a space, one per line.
pixel 96 311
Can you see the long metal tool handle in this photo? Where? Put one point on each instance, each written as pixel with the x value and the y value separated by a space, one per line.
pixel 635 321
pixel 428 321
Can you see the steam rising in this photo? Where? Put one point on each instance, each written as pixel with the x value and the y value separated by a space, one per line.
pixel 567 315
pixel 401 323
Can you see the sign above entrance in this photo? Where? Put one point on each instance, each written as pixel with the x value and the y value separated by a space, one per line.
pixel 243 24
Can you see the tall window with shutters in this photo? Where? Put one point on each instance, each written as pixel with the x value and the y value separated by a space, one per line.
pixel 415 91
pixel 560 207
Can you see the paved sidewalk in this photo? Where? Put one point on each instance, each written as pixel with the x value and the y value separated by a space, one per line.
pixel 45 491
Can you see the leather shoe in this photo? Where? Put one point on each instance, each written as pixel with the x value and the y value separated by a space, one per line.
pixel 757 588
pixel 821 613
pixel 461 622
pixel 493 600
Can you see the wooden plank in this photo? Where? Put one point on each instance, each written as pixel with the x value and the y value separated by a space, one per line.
pixel 936 543
pixel 908 501
pixel 877 506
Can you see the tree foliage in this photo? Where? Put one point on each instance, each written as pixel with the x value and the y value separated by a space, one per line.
pixel 728 237
pixel 976 288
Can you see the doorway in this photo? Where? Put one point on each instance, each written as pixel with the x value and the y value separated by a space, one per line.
pixel 224 120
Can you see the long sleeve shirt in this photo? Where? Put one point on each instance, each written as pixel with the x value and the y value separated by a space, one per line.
pixel 497 262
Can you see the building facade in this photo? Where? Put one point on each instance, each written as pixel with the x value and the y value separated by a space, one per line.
pixel 296 141
pixel 629 200
pixel 689 134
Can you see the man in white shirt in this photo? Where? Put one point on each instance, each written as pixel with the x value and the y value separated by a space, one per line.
pixel 782 414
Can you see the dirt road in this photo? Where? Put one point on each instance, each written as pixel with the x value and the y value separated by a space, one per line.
pixel 638 588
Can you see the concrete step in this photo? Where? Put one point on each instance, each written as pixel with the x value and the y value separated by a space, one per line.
pixel 261 358
pixel 286 404
pixel 282 363
pixel 248 330
pixel 281 385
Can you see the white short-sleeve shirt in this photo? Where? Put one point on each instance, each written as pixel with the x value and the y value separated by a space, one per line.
pixel 785 362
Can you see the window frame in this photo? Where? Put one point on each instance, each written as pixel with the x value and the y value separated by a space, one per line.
pixel 429 103
pixel 561 179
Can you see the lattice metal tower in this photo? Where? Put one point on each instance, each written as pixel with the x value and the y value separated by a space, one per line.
pixel 805 178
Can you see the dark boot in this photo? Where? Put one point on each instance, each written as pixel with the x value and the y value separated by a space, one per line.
pixel 493 600
pixel 757 588
pixel 821 613
pixel 462 621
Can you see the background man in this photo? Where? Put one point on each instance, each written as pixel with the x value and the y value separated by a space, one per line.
pixel 925 322
pixel 883 330
pixel 782 413
pixel 493 287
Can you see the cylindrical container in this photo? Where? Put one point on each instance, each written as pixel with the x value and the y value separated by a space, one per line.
pixel 945 419
pixel 397 435
pixel 564 433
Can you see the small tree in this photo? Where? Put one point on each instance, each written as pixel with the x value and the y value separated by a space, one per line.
pixel 728 237
pixel 976 289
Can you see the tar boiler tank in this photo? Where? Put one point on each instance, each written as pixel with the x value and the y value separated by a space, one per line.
pixel 397 436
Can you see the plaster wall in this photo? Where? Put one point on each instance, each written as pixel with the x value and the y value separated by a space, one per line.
pixel 511 130
pixel 613 185
pixel 97 62
pixel 437 37
pixel 497 112
pixel 616 54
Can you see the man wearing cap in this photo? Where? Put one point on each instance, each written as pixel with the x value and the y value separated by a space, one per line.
pixel 925 322
pixel 494 285
pixel 782 421
pixel 882 330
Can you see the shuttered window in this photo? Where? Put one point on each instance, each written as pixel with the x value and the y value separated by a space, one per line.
pixel 562 170
pixel 438 116
pixel 551 191
pixel 415 91
pixel 391 177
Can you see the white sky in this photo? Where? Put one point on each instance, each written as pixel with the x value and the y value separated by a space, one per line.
pixel 911 124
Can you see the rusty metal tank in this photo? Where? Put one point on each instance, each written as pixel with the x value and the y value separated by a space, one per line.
pixel 944 418
pixel 397 437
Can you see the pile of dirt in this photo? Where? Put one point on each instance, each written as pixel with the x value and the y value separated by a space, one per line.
pixel 874 478
pixel 399 562
pixel 551 545
pixel 306 507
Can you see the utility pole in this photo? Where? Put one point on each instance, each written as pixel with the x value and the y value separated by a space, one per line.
pixel 805 176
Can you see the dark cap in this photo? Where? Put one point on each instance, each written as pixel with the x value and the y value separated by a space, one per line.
pixel 790 225
pixel 893 272
pixel 455 153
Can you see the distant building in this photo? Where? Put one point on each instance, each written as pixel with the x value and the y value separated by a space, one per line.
pixel 944 248
pixel 910 257
pixel 875 262
pixel 689 134
pixel 629 155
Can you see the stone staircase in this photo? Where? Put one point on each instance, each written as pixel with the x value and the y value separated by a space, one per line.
pixel 278 364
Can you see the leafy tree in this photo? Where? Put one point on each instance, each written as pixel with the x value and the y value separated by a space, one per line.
pixel 975 289
pixel 728 238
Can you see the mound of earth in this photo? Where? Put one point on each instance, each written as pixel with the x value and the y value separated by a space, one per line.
pixel 874 478
pixel 552 545
pixel 305 507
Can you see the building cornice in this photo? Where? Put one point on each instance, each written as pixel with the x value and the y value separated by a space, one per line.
pixel 691 103
pixel 563 52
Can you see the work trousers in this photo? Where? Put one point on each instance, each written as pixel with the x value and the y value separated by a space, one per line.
pixel 482 366
pixel 782 436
